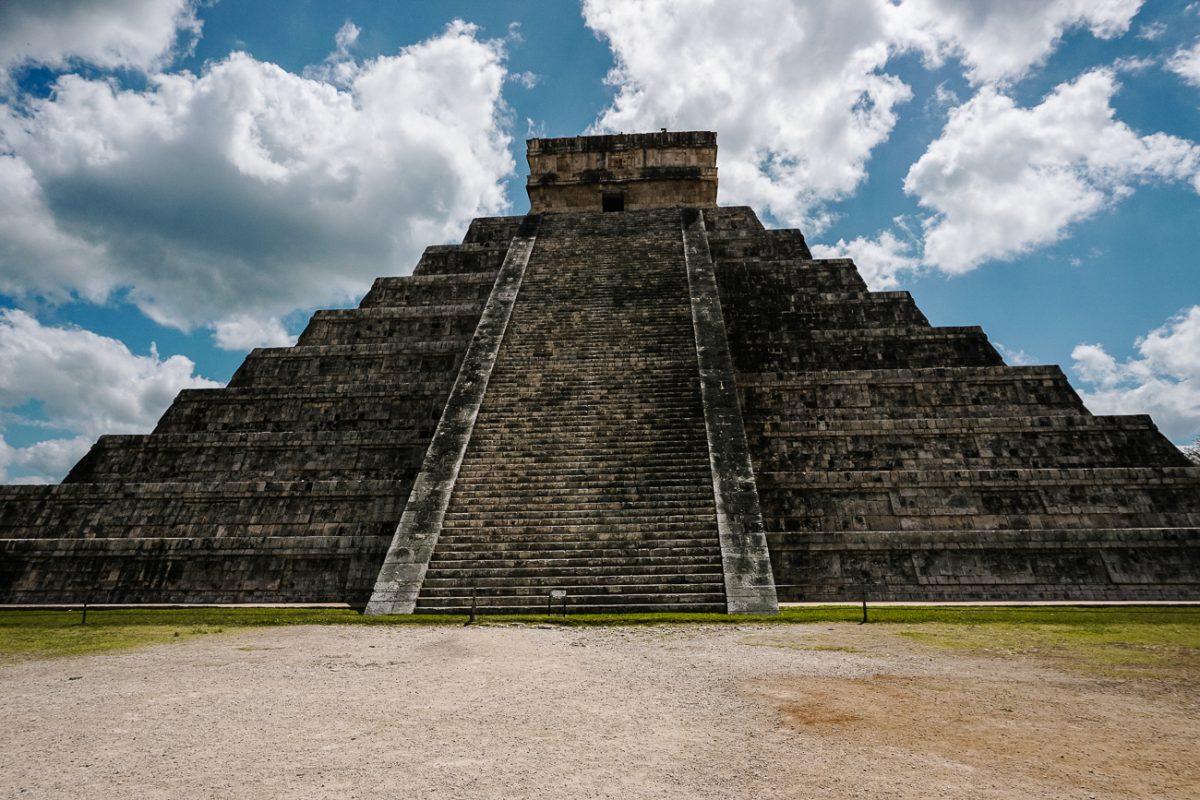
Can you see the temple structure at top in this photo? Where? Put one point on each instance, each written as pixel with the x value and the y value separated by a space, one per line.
pixel 624 172
pixel 635 398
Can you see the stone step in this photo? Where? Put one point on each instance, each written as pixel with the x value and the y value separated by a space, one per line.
pixel 324 455
pixel 1167 497
pixel 519 587
pixel 204 510
pixel 383 325
pixel 475 477
pixel 472 477
pixel 477 485
pixel 618 491
pixel 463 606
pixel 567 575
pixel 579 453
pixel 608 435
pixel 417 290
pixel 665 513
pixel 627 535
pixel 1041 442
pixel 451 259
pixel 613 594
pixel 357 407
pixel 667 555
pixel 324 365
pixel 634 554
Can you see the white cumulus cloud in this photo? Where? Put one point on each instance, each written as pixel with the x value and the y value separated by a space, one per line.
pixel 795 90
pixel 245 331
pixel 880 260
pixel 249 191
pixel 1162 380
pixel 86 384
pixel 798 90
pixel 1002 41
pixel 1185 63
pixel 110 34
pixel 1002 179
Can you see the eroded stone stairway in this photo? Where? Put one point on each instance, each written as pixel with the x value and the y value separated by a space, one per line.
pixel 588 467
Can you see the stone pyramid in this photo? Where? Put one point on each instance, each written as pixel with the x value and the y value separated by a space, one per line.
pixel 632 395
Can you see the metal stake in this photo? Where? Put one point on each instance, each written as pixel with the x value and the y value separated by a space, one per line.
pixel 864 596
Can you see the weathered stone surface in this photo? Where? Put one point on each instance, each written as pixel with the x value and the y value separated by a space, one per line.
pixel 639 171
pixel 749 583
pixel 403 571
pixel 588 469
pixel 652 409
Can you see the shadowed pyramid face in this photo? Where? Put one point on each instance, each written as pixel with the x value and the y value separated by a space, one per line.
pixel 626 172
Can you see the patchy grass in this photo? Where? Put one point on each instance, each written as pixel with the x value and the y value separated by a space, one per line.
pixel 50 634
pixel 1162 646
pixel 1141 640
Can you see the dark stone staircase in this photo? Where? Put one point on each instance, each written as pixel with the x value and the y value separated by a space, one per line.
pixel 588 466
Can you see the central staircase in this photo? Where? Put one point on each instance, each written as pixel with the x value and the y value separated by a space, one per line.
pixel 588 469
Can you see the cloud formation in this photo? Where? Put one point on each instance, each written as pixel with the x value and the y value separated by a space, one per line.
pixel 86 384
pixel 136 35
pixel 1185 62
pixel 1002 180
pixel 1001 42
pixel 880 260
pixel 787 145
pixel 1163 380
pixel 249 191
pixel 798 90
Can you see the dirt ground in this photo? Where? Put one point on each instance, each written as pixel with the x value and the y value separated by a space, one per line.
pixel 799 711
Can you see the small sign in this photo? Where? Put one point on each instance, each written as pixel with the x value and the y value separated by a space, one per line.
pixel 558 594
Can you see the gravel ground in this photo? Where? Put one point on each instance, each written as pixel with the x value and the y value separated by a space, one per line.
pixel 508 712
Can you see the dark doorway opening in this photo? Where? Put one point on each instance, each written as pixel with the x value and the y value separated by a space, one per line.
pixel 613 201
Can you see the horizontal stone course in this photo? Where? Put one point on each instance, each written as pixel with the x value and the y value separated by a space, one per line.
pixel 930 393
pixel 416 291
pixel 394 455
pixel 363 407
pixel 194 569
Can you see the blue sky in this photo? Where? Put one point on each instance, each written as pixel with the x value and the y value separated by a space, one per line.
pixel 180 182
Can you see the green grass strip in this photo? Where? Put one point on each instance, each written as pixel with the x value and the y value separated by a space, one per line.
pixel 48 634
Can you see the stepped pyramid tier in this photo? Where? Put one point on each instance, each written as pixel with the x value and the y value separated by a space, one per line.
pixel 631 395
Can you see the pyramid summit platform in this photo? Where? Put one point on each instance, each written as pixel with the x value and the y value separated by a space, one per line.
pixel 637 397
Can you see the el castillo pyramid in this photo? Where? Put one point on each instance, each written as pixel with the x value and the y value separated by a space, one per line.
pixel 633 395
